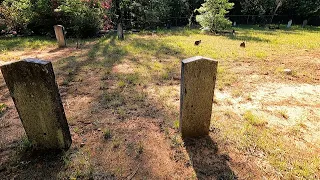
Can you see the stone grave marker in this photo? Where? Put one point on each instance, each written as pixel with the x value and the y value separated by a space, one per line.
pixel 33 88
pixel 198 77
pixel 304 24
pixel 234 24
pixel 120 31
pixel 60 35
pixel 289 24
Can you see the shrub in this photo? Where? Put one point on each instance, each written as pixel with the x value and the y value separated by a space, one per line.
pixel 44 17
pixel 212 14
pixel 17 13
pixel 82 18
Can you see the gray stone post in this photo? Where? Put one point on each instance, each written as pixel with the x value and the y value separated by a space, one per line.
pixel 60 35
pixel 304 24
pixel 33 88
pixel 198 77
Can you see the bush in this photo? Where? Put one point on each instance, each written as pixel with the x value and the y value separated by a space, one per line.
pixel 44 17
pixel 17 13
pixel 212 14
pixel 82 19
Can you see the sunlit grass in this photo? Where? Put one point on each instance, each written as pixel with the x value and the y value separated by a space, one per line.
pixel 273 147
pixel 154 61
pixel 25 43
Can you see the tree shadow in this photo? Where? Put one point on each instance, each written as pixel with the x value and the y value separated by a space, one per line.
pixel 206 161
pixel 56 50
pixel 296 29
pixel 124 95
pixel 13 43
pixel 177 31
pixel 33 164
pixel 248 38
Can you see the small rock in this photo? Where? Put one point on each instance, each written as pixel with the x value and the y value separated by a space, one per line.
pixel 82 144
pixel 99 129
pixel 288 71
pixel 176 78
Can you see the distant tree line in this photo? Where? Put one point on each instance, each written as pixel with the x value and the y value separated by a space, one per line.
pixel 84 18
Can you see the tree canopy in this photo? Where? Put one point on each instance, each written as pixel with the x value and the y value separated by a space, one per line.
pixel 212 14
pixel 86 16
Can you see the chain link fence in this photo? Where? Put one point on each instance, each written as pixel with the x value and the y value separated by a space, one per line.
pixel 269 19
pixel 239 19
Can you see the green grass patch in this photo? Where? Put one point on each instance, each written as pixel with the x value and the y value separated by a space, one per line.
pixel 271 146
pixel 253 119
pixel 24 43
pixel 3 108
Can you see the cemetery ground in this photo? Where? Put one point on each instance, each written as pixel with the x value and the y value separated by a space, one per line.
pixel 121 100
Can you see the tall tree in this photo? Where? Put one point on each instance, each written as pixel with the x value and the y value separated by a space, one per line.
pixel 303 8
pixel 212 14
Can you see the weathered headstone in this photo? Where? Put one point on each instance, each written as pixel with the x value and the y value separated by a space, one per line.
pixel 120 31
pixel 287 71
pixel 234 24
pixel 289 23
pixel 33 88
pixel 198 77
pixel 305 22
pixel 60 35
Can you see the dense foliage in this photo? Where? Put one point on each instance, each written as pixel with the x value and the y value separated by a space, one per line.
pixel 18 14
pixel 84 17
pixel 212 14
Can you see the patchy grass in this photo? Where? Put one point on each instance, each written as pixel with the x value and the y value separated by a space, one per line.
pixel 107 134
pixel 254 119
pixel 132 87
pixel 276 152
pixel 25 43
pixel 3 108
pixel 284 114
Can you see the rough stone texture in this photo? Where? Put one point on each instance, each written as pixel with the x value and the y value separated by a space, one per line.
pixel 304 24
pixel 59 31
pixel 33 88
pixel 120 31
pixel 198 77
pixel 289 23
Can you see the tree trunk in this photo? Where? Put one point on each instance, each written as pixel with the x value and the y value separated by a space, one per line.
pixel 275 11
pixel 190 20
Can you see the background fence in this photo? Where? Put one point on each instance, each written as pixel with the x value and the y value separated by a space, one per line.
pixel 240 19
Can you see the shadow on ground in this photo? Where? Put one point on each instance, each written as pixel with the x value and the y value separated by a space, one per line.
pixel 206 161
pixel 97 97
pixel 43 165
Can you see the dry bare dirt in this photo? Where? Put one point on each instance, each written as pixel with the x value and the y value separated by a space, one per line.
pixel 144 142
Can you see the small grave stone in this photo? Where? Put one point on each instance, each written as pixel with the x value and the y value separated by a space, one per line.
pixel 289 24
pixel 33 88
pixel 304 24
pixel 60 35
pixel 234 24
pixel 198 77
pixel 120 31
pixel 287 71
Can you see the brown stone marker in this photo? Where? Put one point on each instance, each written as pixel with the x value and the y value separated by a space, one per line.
pixel 198 77
pixel 33 88
pixel 59 31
